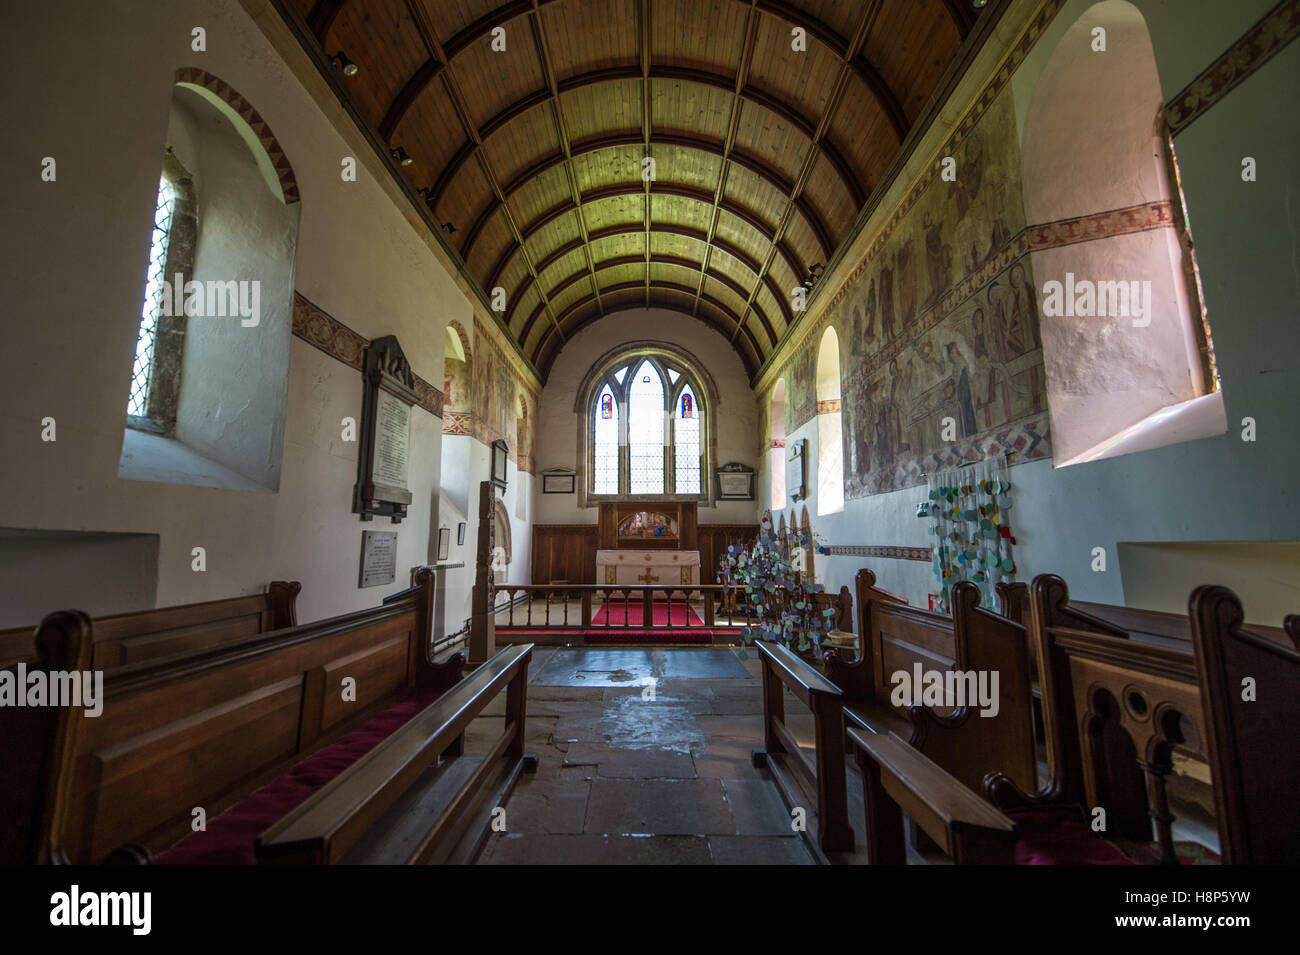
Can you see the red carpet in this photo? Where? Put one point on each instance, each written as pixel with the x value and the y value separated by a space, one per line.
pixel 612 615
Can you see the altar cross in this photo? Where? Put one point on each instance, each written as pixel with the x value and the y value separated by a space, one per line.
pixel 648 578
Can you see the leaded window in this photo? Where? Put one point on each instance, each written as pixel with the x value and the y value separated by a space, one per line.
pixel 647 429
pixel 142 371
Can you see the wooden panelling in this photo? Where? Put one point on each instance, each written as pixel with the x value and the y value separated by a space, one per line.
pixel 714 541
pixel 564 552
pixel 567 552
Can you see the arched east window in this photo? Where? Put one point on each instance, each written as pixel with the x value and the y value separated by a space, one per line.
pixel 647 430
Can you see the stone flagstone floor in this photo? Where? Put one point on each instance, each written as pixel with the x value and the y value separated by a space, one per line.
pixel 626 779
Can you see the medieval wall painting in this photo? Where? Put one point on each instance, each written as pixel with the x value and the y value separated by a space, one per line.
pixel 487 394
pixel 940 322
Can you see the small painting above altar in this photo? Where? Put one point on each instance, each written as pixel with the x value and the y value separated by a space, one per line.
pixel 648 525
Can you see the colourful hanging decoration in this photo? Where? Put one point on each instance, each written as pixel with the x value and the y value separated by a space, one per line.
pixel 970 530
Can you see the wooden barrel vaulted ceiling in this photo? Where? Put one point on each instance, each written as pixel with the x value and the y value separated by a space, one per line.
pixel 531 157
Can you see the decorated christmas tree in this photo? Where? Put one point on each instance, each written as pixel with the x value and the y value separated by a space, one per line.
pixel 771 591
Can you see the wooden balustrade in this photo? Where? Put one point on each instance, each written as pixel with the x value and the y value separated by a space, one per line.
pixel 579 606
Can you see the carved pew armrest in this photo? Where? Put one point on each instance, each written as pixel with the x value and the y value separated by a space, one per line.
pixel 898 778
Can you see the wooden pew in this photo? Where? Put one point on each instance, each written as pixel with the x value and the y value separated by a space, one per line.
pixel 1253 745
pixel 1151 626
pixel 203 729
pixel 894 637
pixel 398 804
pixel 1093 679
pixel 824 777
pixel 147 634
pixel 1114 710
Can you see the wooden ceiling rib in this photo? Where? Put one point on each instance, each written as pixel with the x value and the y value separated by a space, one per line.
pixel 532 154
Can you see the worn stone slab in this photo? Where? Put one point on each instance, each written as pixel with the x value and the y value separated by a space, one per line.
pixel 757 808
pixel 618 763
pixel 733 727
pixel 659 806
pixel 727 759
pixel 546 805
pixel 759 850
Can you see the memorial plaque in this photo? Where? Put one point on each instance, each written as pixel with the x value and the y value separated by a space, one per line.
pixel 735 482
pixel 392 440
pixel 378 558
pixel 383 461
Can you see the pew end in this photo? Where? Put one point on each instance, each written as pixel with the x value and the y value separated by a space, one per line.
pixel 796 775
pixel 1252 735
pixel 899 779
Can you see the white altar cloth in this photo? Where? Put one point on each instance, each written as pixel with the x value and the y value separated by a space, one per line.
pixel 663 568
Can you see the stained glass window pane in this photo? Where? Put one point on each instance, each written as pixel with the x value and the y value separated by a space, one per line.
pixel 620 375
pixel 686 440
pixel 673 375
pixel 645 427
pixel 605 435
pixel 138 400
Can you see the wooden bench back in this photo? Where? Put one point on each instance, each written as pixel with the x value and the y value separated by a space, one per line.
pixel 1114 708
pixel 1133 622
pixel 205 729
pixel 1252 730
pixel 895 637
pixel 167 631
pixel 857 677
pixel 340 816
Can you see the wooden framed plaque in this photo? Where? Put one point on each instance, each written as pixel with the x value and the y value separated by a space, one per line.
pixel 384 457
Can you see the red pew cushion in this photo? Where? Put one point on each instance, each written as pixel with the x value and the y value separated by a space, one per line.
pixel 229 837
pixel 1060 835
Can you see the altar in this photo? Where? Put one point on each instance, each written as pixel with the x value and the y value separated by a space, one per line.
pixel 648 543
pixel 662 568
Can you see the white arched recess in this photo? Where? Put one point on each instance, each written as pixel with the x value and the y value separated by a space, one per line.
pixel 776 447
pixel 1095 144
pixel 830 428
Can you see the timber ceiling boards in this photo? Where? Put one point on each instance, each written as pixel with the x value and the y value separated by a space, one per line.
pixel 533 154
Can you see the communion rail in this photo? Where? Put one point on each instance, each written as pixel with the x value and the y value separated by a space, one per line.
pixel 579 606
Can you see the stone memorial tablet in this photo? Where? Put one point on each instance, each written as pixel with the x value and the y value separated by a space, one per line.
pixel 392 439
pixel 383 461
pixel 378 558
